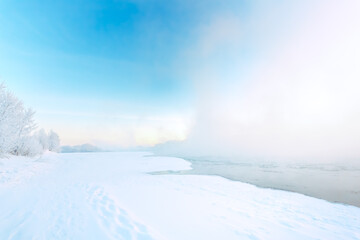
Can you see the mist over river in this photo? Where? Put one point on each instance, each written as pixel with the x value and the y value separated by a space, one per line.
pixel 334 182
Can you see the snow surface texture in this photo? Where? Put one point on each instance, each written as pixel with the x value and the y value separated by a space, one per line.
pixel 111 196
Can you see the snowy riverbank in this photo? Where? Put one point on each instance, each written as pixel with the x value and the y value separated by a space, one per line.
pixel 111 196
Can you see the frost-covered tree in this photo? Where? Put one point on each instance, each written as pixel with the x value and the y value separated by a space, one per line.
pixel 54 141
pixel 25 125
pixel 43 139
pixel 50 141
pixel 16 122
pixel 8 106
pixel 30 146
pixel 17 126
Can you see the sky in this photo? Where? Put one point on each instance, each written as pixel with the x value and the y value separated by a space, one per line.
pixel 266 78
pixel 105 72
pixel 86 66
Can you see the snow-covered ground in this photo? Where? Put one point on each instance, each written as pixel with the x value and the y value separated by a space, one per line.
pixel 112 196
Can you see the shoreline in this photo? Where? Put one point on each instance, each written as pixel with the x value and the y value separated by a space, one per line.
pixel 335 184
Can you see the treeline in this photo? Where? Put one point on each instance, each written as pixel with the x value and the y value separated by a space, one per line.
pixel 18 134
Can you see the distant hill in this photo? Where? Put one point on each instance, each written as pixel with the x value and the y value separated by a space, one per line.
pixel 80 148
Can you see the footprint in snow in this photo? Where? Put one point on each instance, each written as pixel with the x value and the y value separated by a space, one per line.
pixel 115 220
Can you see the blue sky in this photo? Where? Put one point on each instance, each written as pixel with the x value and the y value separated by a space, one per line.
pixel 236 76
pixel 122 50
pixel 93 48
pixel 66 59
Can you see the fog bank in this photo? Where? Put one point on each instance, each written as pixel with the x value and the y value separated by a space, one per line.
pixel 295 97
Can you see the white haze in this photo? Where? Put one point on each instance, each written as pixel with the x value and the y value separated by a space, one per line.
pixel 298 98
